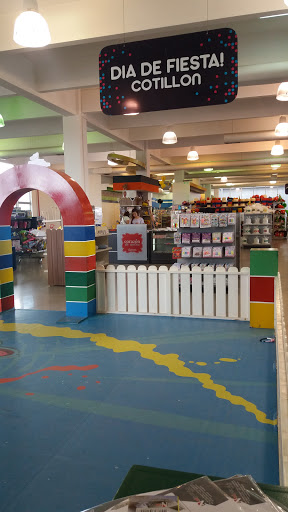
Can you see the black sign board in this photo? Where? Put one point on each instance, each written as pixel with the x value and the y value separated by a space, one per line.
pixel 190 70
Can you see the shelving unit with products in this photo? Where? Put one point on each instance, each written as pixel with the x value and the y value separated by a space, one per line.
pixel 257 229
pixel 102 245
pixel 162 218
pixel 161 246
pixel 144 211
pixel 206 238
pixel 279 219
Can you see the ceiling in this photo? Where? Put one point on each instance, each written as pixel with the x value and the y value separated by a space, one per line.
pixel 39 87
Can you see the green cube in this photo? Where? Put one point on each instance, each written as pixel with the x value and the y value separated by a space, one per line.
pixel 263 262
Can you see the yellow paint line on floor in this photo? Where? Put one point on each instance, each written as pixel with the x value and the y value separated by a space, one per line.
pixel 170 361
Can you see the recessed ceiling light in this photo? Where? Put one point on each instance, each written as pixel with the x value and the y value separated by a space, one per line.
pixel 271 187
pixel 272 182
pixel 237 188
pixel 216 177
pixel 113 164
pixel 224 179
pixel 273 16
pixel 275 166
pixel 132 114
pixel 208 169
pixel 229 184
pixel 165 174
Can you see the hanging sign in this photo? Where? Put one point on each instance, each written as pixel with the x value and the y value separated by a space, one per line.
pixel 190 70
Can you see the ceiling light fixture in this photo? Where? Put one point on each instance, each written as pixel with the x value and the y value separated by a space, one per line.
pixel 169 138
pixel 1 121
pixel 282 93
pixel 281 129
pixel 237 188
pixel 229 184
pixel 113 164
pixel 273 15
pixel 208 169
pixel 275 166
pixel 277 149
pixel 193 154
pixel 31 29
pixel 271 187
pixel 272 182
pixel 224 179
pixel 63 145
pixel 165 174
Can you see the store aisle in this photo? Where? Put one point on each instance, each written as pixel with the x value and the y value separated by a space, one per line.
pixel 31 288
pixel 80 406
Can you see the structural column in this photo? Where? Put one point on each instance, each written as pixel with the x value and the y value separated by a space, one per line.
pixel 181 189
pixel 75 149
pixel 80 264
pixel 6 270
pixel 263 270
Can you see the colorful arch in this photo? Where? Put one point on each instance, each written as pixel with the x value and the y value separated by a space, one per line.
pixel 79 234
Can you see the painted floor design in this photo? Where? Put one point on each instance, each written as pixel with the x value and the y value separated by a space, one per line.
pixel 79 405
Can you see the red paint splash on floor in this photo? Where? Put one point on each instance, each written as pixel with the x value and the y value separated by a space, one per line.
pixel 84 376
pixel 29 394
pixel 81 387
pixel 51 369
pixel 45 377
pixel 98 382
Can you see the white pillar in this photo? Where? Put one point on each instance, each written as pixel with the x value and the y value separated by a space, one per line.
pixel 95 189
pixel 75 149
pixel 208 190
pixel 181 189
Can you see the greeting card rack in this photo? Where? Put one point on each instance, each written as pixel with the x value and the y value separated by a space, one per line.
pixel 206 238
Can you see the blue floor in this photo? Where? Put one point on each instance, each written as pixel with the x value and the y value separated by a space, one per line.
pixel 69 436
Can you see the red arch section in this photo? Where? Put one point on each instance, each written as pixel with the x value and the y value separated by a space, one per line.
pixel 70 198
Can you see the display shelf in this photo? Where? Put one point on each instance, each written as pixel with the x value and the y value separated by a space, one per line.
pixel 260 224
pixel 231 220
pixel 250 236
pixel 103 250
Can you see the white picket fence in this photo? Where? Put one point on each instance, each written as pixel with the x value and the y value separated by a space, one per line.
pixel 181 292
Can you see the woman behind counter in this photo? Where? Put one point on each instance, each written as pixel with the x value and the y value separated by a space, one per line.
pixel 136 219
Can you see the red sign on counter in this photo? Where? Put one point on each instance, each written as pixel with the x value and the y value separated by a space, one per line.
pixel 132 242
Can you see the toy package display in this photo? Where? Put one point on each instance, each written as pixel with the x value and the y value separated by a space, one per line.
pixel 214 220
pixel 217 252
pixel 185 220
pixel 205 220
pixel 174 220
pixel 177 238
pixel 223 219
pixel 207 252
pixel 216 237
pixel 197 252
pixel 227 237
pixel 186 252
pixel 194 220
pixel 196 238
pixel 186 238
pixel 176 253
pixel 206 238
pixel 230 251
pixel 231 219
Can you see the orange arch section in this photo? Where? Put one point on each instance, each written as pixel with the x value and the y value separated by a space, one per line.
pixel 79 233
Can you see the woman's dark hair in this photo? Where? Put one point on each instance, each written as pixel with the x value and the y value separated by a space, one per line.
pixel 126 214
pixel 135 210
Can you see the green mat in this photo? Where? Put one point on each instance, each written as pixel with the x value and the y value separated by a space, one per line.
pixel 143 479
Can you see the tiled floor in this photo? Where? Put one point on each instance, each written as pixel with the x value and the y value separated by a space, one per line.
pixel 80 406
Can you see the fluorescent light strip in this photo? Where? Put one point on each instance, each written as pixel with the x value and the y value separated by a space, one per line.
pixel 273 16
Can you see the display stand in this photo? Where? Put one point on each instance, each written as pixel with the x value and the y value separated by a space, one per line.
pixel 203 239
pixel 161 246
pixel 102 246
pixel 257 230
pixel 279 223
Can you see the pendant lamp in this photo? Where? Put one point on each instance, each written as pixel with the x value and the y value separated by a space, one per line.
pixel 281 129
pixel 169 138
pixel 31 29
pixel 193 154
pixel 277 149
pixel 282 93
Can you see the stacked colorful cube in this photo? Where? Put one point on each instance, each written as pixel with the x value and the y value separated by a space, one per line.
pixel 263 270
pixel 6 270
pixel 80 264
